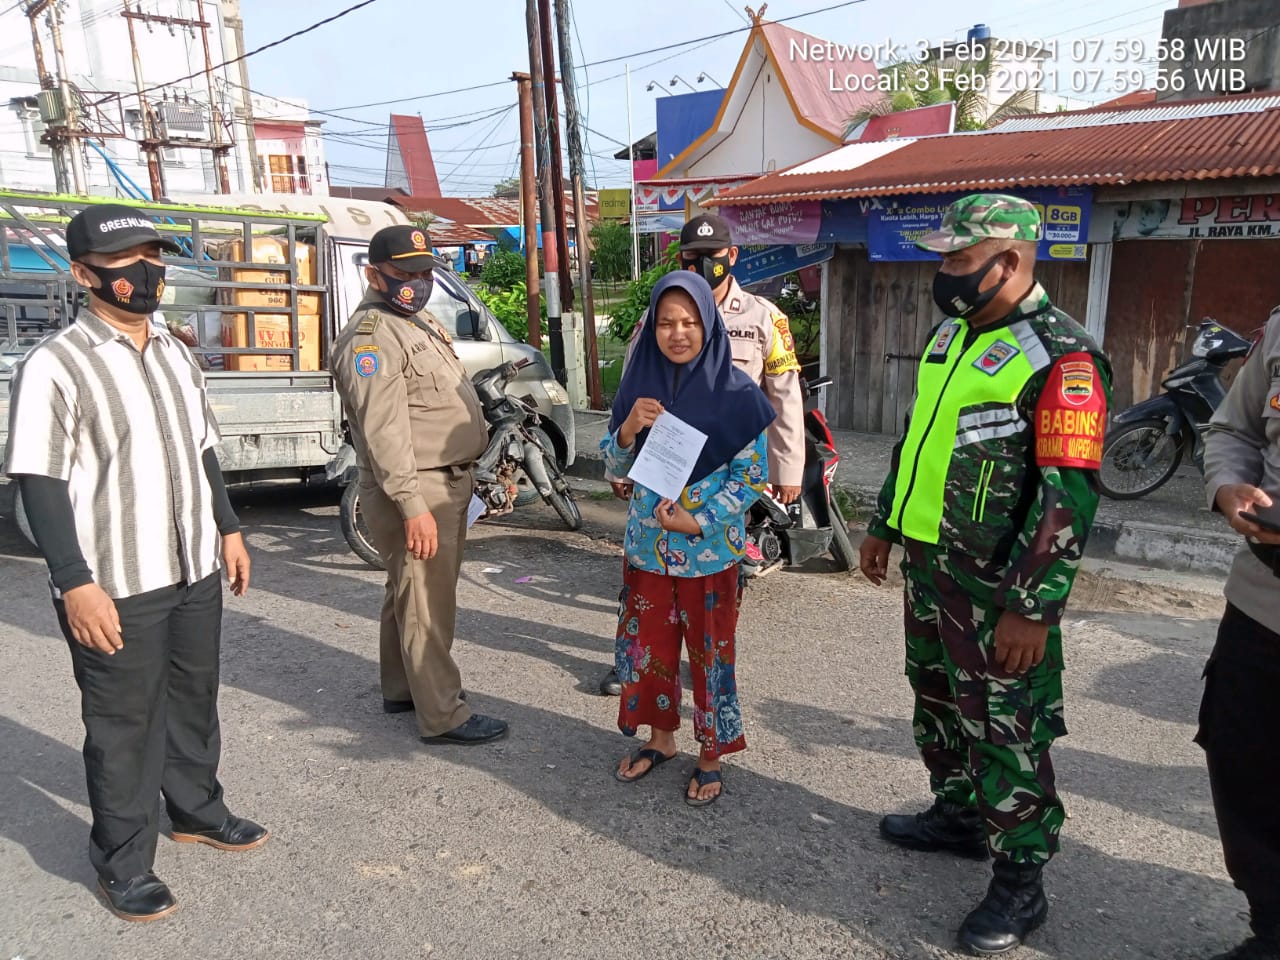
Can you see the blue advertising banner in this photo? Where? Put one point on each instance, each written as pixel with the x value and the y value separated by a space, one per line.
pixel 894 227
pixel 756 264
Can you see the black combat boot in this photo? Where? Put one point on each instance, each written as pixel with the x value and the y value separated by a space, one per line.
pixel 944 826
pixel 1255 948
pixel 1263 945
pixel 1013 907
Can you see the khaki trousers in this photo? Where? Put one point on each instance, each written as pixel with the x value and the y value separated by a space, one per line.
pixel 419 608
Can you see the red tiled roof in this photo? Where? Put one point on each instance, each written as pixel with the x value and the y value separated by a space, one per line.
pixel 1110 151
pixel 409 136
pixel 1139 98
pixel 482 213
pixel 805 75
pixel 445 234
pixel 917 122
pixel 808 79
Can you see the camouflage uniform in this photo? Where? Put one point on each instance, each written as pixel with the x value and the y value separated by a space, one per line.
pixel 1012 477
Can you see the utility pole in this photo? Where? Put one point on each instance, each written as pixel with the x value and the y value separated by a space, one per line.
pixel 69 106
pixel 220 149
pixel 529 206
pixel 150 140
pixel 48 84
pixel 557 154
pixel 631 160
pixel 550 245
pixel 574 132
pixel 233 23
pixel 215 142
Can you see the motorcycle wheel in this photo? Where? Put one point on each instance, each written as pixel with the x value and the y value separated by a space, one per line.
pixel 355 530
pixel 841 548
pixel 1137 459
pixel 526 492
pixel 561 497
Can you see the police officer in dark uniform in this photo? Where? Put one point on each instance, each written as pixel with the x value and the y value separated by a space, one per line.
pixel 1240 714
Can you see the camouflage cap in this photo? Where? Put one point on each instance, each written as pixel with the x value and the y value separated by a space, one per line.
pixel 983 216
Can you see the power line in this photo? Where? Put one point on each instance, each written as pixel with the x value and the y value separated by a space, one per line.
pixel 244 56
pixel 596 63
pixel 492 131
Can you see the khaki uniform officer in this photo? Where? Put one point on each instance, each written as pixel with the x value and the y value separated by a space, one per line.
pixel 418 427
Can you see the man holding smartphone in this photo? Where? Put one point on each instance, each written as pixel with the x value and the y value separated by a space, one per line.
pixel 1240 715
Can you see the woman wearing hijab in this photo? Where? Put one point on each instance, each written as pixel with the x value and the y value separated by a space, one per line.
pixel 681 576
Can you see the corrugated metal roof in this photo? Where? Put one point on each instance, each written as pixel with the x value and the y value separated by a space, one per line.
pixel 482 213
pixel 1147 114
pixel 1241 144
pixel 446 234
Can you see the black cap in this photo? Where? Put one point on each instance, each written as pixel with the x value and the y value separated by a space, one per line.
pixel 706 232
pixel 110 228
pixel 406 246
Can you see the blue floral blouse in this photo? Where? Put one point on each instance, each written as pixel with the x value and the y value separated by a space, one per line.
pixel 719 503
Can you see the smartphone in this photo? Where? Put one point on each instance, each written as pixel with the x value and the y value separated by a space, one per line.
pixel 1270 525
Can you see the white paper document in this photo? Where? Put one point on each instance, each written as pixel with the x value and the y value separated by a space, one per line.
pixel 666 461
pixel 475 510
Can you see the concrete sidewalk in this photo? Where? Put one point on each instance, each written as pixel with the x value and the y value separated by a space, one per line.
pixel 1172 528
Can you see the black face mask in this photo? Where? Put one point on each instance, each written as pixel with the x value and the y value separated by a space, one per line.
pixel 714 270
pixel 958 295
pixel 406 296
pixel 136 288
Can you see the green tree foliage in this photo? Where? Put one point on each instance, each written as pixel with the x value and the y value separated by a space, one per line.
pixel 966 83
pixel 628 313
pixel 503 270
pixel 508 188
pixel 612 243
pixel 511 307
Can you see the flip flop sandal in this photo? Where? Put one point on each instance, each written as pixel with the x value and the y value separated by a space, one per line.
pixel 656 759
pixel 704 777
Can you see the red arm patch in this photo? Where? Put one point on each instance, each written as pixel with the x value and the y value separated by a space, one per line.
pixel 1071 417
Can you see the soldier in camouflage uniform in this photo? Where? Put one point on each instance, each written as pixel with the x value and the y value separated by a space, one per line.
pixel 992 493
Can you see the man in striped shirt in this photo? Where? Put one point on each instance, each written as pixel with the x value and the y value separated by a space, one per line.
pixel 111 441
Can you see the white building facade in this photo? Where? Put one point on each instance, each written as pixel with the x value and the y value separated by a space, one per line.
pixel 96 67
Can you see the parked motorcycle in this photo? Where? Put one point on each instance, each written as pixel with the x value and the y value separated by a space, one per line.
pixel 519 452
pixel 1146 443
pixel 790 534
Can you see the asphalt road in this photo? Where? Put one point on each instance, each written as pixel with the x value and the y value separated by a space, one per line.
pixel 386 848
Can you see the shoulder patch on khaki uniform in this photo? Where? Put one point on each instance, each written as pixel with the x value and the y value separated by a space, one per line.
pixel 370 322
pixel 782 355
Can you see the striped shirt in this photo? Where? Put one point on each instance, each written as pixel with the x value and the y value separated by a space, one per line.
pixel 126 429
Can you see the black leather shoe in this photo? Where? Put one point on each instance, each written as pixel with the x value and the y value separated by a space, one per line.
pixel 611 686
pixel 142 899
pixel 1013 907
pixel 236 833
pixel 1255 948
pixel 404 706
pixel 477 729
pixel 944 826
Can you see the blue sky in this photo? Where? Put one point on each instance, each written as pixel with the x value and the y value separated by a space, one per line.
pixel 418 50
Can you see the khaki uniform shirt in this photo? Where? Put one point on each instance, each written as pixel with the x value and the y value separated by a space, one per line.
pixel 760 335
pixel 409 401
pixel 1243 446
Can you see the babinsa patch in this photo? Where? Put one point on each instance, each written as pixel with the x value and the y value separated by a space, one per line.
pixel 997 355
pixel 1077 382
pixel 1071 416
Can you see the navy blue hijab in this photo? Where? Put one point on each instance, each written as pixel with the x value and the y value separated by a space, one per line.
pixel 709 392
